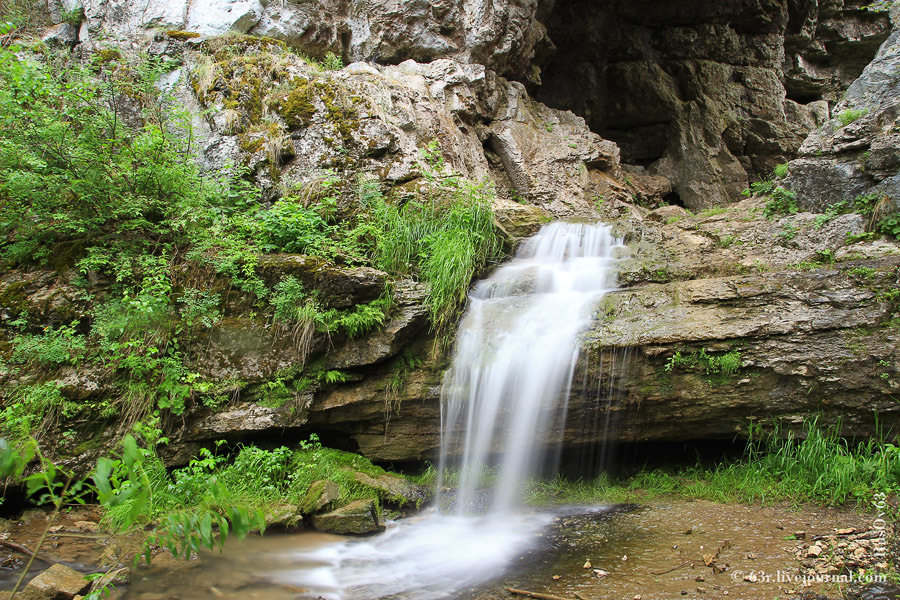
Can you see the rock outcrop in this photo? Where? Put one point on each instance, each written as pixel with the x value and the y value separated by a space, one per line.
pixel 710 94
pixel 857 151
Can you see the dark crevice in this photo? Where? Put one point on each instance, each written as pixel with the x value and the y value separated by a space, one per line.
pixel 674 199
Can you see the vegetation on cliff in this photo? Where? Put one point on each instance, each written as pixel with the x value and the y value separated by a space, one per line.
pixel 98 175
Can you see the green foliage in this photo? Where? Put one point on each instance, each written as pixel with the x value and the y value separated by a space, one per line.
pixel 332 62
pixel 290 227
pixel 781 202
pixel 724 364
pixel 53 348
pixel 294 306
pixel 781 170
pixel 30 409
pixel 788 232
pixel 850 115
pixel 445 238
pixel 883 217
pixel 815 466
pixel 881 5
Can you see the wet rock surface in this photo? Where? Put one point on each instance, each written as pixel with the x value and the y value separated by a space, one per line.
pixel 358 517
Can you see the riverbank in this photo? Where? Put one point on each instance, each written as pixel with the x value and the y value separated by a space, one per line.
pixel 659 549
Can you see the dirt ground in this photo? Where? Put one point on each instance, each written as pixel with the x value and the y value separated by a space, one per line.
pixel 662 550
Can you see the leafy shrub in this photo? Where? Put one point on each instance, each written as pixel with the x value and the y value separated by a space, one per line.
pixel 290 227
pixel 850 115
pixel 781 202
pixel 55 347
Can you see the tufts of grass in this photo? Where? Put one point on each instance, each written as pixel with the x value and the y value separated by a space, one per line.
pixel 816 466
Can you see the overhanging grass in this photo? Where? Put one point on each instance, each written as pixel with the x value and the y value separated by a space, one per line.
pixel 819 467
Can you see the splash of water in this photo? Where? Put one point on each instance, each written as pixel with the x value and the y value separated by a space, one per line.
pixel 505 396
pixel 504 402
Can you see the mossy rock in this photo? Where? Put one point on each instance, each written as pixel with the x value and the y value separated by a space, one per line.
pixel 357 518
pixel 182 36
pixel 14 299
pixel 297 108
pixel 320 494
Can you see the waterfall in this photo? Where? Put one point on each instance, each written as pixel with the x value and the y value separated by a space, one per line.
pixel 503 407
pixel 505 396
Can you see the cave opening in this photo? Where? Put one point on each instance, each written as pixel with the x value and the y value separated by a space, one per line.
pixel 711 94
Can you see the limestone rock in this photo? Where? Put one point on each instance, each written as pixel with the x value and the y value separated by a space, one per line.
pixel 284 516
pixel 710 95
pixel 507 36
pixel 518 220
pixel 339 287
pixel 394 489
pixel 59 582
pixel 409 317
pixel 358 518
pixel 63 34
pixel 855 152
pixel 320 494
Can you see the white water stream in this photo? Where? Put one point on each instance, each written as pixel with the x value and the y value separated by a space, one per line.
pixel 503 403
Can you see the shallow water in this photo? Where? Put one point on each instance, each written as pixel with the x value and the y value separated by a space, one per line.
pixel 663 547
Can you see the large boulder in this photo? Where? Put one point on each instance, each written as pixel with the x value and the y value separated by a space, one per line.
pixel 59 582
pixel 358 518
pixel 856 152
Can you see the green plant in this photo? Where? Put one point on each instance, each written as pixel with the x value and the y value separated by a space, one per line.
pixel 445 238
pixel 850 115
pixel 781 170
pixel 788 232
pixel 724 364
pixel 332 62
pixel 781 202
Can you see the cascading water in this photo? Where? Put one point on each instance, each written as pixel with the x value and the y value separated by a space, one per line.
pixel 504 403
pixel 506 393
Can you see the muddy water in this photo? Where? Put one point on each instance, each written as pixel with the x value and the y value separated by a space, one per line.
pixel 669 549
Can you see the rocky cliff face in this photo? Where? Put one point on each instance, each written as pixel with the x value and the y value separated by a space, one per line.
pixel 710 95
pixel 707 94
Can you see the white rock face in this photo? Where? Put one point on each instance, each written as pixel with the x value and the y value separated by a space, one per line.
pixel 218 16
pixel 504 36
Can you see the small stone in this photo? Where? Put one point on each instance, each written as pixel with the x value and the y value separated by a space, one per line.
pixel 637 597
pixel 88 526
pixel 814 551
pixel 56 529
pixel 59 582
pixel 800 535
pixel 624 558
pixel 684 592
pixel 600 573
pixel 847 531
pixel 751 556
pixel 557 577
pixel 587 564
pixel 699 578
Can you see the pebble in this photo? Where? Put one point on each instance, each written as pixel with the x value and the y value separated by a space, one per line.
pixel 814 551
pixel 587 564
pixel 557 577
pixel 600 573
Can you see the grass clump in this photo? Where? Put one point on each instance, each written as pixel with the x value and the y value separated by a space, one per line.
pixel 816 466
pixel 850 115
pixel 445 237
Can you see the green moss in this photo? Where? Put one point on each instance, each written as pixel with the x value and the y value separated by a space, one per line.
pixel 297 108
pixel 344 118
pixel 251 144
pixel 182 36
pixel 14 298
pixel 106 55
